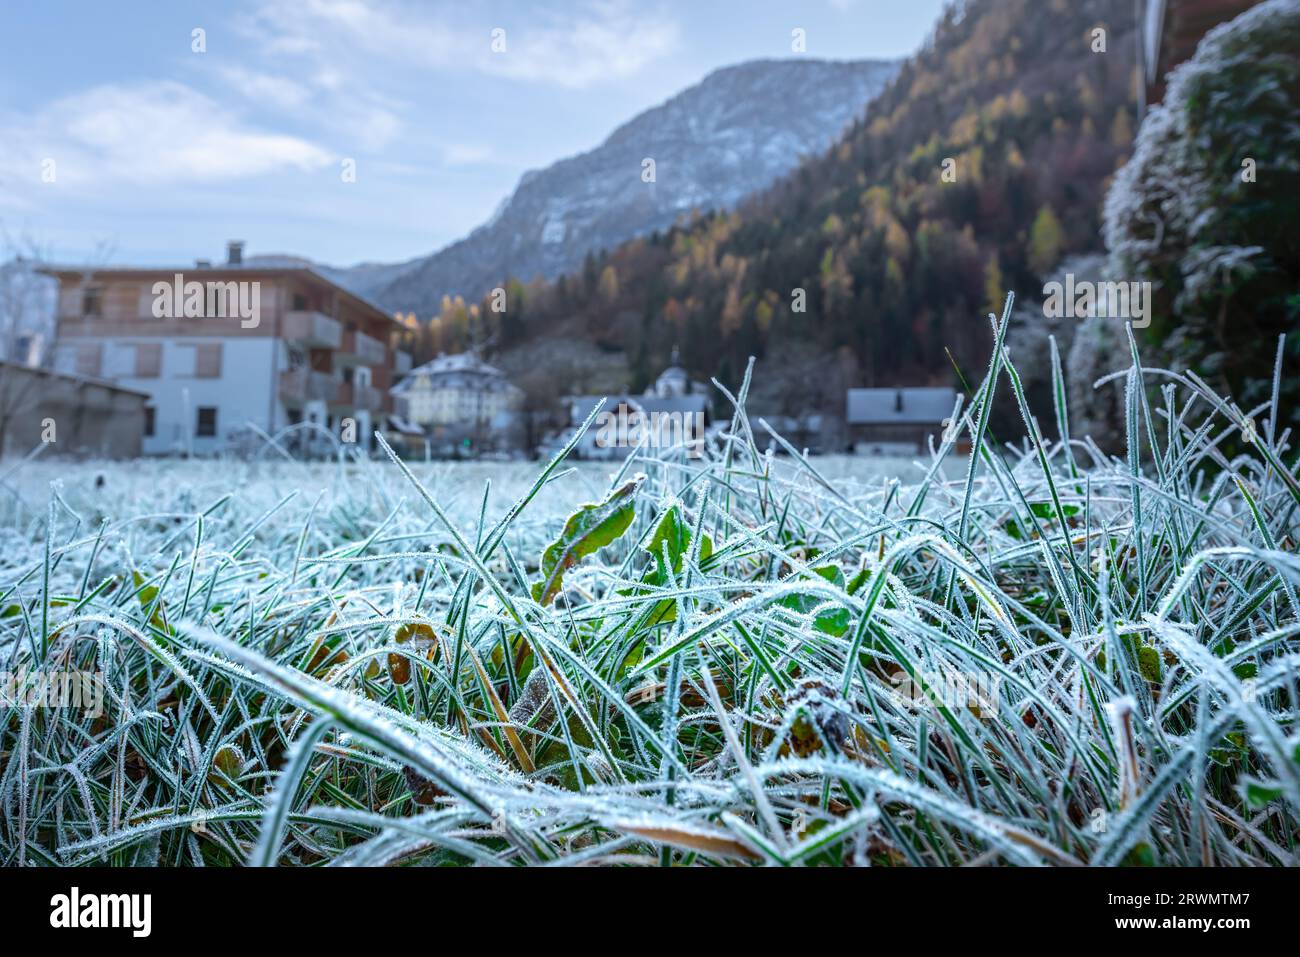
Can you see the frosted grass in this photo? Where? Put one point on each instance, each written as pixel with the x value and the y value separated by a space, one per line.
pixel 318 664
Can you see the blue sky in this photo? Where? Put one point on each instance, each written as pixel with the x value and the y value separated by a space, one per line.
pixel 163 153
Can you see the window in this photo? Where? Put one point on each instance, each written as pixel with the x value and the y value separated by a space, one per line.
pixel 207 360
pixel 149 421
pixel 92 301
pixel 148 360
pixel 206 426
pixel 299 302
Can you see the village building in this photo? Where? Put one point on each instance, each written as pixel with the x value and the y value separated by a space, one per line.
pixel 221 348
pixel 68 414
pixel 897 421
pixel 675 382
pixel 673 411
pixel 806 432
pixel 464 405
pixel 406 438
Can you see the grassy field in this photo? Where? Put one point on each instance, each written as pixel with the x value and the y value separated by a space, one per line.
pixel 1042 655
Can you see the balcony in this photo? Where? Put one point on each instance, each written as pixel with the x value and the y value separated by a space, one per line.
pixel 361 349
pixel 401 363
pixel 305 385
pixel 313 329
pixel 360 397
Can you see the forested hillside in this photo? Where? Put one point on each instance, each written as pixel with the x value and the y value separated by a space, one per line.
pixel 1207 211
pixel 1025 107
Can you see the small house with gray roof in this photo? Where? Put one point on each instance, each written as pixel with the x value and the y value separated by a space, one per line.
pixel 897 420
pixel 673 411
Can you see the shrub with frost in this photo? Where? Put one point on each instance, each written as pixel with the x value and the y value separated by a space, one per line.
pixel 1207 208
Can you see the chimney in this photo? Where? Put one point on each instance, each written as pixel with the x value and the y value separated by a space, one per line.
pixel 235 252
pixel 203 264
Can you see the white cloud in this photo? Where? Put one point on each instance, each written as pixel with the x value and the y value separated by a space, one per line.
pixel 467 154
pixel 333 31
pixel 146 134
pixel 371 124
pixel 278 91
pixel 350 112
pixel 601 39
pixel 608 41
pixel 328 79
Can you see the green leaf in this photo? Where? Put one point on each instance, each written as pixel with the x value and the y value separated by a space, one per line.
pixel 830 622
pixel 1231 751
pixel 1140 856
pixel 677 534
pixel 1148 658
pixel 1046 510
pixel 589 529
pixel 146 596
pixel 672 531
pixel 1260 794
pixel 1149 663
pixel 860 579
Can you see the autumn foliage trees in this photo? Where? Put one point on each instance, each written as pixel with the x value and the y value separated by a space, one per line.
pixel 982 165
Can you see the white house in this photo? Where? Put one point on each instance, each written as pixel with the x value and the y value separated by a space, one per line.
pixel 460 398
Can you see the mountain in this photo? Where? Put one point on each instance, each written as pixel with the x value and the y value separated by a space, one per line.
pixel 362 279
pixel 979 168
pixel 730 135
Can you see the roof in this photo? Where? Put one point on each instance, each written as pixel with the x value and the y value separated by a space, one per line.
pixel 457 362
pixel 398 424
pixel 71 377
pixel 462 369
pixel 213 273
pixel 675 380
pixel 899 406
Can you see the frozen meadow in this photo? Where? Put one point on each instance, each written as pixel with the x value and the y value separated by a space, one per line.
pixel 1040 655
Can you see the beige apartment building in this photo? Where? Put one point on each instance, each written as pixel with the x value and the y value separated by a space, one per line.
pixel 220 348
